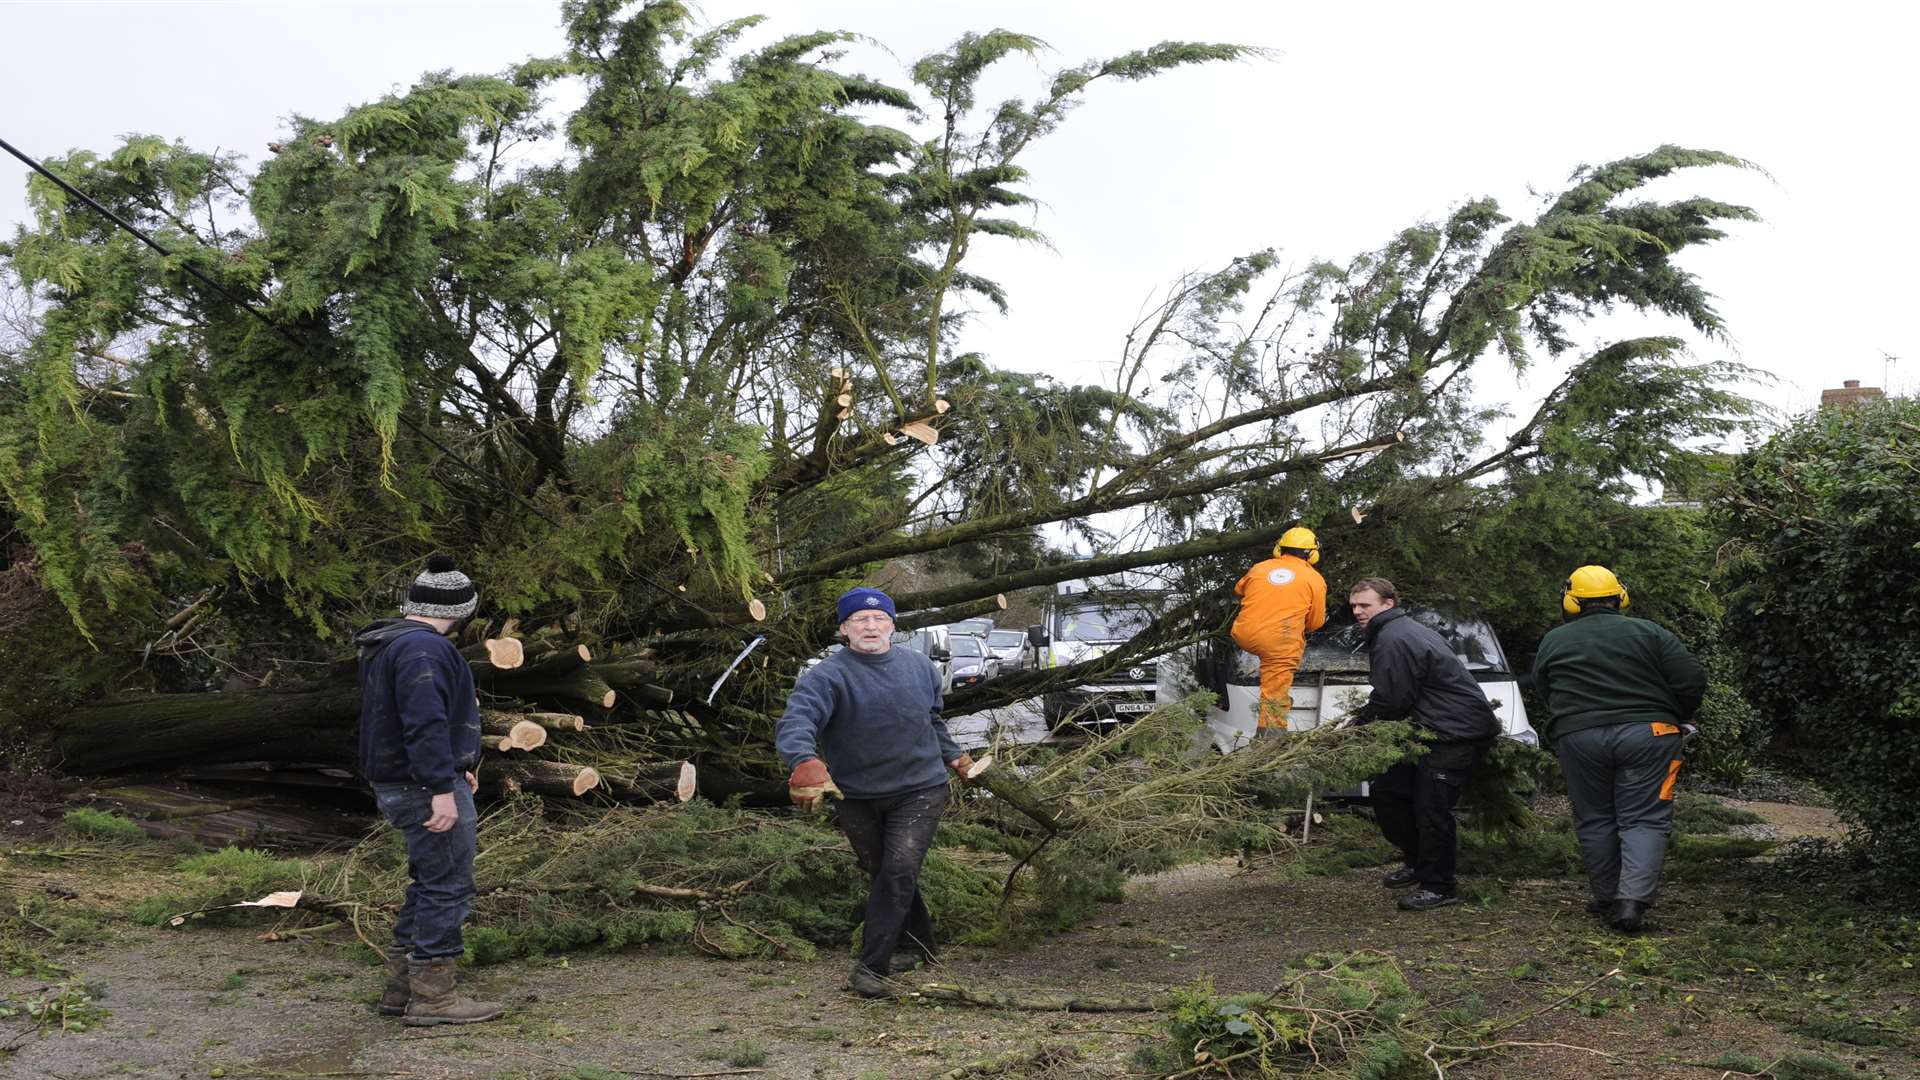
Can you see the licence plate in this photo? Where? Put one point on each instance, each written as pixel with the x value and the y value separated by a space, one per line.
pixel 1134 706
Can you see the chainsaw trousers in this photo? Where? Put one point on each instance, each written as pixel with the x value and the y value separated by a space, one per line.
pixel 1279 655
pixel 1620 779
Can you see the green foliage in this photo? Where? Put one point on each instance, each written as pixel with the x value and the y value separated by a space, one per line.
pixel 226 876
pixel 1732 732
pixel 104 825
pixel 66 1008
pixel 1349 1017
pixel 550 887
pixel 36 929
pixel 1823 598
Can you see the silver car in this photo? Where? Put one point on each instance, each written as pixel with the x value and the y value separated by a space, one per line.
pixel 1010 647
pixel 972 663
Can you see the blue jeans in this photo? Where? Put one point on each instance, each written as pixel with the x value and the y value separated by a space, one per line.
pixel 439 869
pixel 890 836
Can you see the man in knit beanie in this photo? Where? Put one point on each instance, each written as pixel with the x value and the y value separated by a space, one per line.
pixel 419 745
pixel 872 712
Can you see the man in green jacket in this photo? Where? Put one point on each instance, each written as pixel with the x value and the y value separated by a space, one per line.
pixel 1618 691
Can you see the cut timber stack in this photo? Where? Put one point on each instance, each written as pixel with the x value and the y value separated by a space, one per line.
pixel 315 725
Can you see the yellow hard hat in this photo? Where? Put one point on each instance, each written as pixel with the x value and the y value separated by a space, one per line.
pixel 1588 583
pixel 1299 538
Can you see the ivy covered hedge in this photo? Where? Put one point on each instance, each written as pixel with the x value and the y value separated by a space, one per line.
pixel 1823 600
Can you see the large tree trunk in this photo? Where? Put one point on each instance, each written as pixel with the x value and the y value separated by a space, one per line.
pixel 315 724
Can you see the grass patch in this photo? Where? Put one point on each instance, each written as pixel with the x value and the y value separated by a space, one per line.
pixel 104 826
pixel 1704 815
pixel 746 1055
pixel 227 876
pixel 1794 1065
pixel 1842 1030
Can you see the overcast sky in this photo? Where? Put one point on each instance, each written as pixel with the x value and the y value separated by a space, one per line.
pixel 1370 116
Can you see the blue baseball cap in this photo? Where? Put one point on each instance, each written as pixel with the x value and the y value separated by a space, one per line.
pixel 854 601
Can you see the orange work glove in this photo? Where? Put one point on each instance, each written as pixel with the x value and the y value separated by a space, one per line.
pixel 960 765
pixel 808 782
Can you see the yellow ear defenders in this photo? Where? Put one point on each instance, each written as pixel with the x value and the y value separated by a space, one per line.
pixel 1299 538
pixel 1589 583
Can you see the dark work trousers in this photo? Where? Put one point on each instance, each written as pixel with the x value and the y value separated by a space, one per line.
pixel 1620 780
pixel 1414 801
pixel 890 837
pixel 439 869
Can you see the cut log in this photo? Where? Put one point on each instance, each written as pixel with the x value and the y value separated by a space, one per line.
pixel 718 783
pixel 556 662
pixel 552 721
pixel 662 781
pixel 621 674
pixel 555 778
pixel 758 609
pixel 513 734
pixel 496 654
pixel 577 687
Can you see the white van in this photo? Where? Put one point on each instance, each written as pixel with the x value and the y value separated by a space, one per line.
pixel 1332 680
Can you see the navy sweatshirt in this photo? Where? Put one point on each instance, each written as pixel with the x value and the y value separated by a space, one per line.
pixel 419 719
pixel 874 720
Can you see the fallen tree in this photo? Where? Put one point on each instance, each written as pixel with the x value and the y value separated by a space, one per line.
pixel 668 418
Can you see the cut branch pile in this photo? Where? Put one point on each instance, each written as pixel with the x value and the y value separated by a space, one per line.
pixel 1155 794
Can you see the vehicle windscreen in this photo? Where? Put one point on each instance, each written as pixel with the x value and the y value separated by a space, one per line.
pixel 1001 639
pixel 1100 624
pixel 1341 645
pixel 961 645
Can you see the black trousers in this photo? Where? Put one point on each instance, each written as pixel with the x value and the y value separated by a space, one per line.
pixel 890 837
pixel 1413 803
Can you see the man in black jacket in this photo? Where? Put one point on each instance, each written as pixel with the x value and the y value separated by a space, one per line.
pixel 1416 677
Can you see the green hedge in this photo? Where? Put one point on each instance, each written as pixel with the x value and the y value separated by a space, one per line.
pixel 1824 607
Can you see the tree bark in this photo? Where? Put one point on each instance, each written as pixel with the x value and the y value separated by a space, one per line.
pixel 506 733
pixel 549 720
pixel 553 778
pixel 656 781
pixel 314 724
pixel 1020 795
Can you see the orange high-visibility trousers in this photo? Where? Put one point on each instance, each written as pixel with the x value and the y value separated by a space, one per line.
pixel 1282 600
pixel 1277 668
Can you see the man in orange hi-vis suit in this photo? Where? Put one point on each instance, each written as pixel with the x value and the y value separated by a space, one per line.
pixel 1282 600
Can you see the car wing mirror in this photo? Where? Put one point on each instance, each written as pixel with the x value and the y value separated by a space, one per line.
pixel 1037 636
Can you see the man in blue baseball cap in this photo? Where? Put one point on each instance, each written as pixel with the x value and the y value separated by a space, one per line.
pixel 873 711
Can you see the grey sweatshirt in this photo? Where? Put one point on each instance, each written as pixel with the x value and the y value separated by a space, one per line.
pixel 874 720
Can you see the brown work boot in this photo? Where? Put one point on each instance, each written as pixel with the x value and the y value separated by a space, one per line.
pixel 394 998
pixel 434 1000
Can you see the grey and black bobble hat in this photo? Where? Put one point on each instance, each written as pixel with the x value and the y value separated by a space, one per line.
pixel 440 592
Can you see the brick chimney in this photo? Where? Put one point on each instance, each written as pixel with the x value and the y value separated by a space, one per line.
pixel 1849 393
